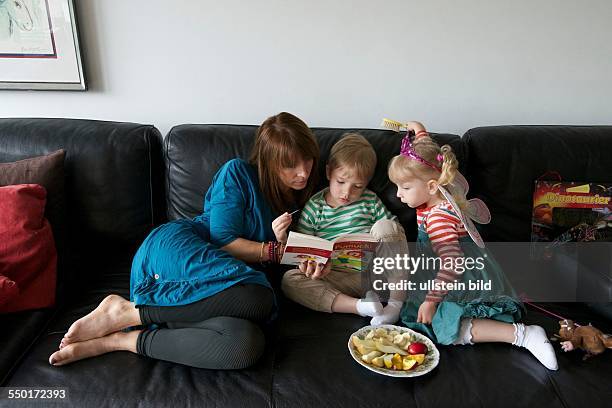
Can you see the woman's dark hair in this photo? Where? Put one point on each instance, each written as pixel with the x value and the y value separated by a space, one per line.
pixel 280 141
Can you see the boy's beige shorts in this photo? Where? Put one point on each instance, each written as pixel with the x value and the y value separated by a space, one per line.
pixel 319 294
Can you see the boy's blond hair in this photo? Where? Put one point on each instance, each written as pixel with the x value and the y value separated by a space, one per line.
pixel 354 151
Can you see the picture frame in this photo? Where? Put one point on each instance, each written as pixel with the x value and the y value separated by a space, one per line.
pixel 39 46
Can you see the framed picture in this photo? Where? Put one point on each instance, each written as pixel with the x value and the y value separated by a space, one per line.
pixel 39 46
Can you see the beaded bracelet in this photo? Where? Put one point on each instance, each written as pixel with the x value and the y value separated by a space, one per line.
pixel 275 251
pixel 270 251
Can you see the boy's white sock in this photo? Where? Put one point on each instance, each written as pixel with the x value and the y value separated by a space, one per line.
pixel 390 313
pixel 370 305
pixel 534 339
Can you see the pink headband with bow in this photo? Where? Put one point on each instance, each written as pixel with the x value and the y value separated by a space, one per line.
pixel 408 151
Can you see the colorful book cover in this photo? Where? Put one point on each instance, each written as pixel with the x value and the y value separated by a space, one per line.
pixel 353 255
pixel 571 212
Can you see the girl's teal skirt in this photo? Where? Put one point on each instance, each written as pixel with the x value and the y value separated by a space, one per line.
pixel 498 303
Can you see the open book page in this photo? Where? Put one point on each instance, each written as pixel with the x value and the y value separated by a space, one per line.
pixel 302 247
pixel 353 252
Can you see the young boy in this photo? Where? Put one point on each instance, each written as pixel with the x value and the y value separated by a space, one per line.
pixel 346 206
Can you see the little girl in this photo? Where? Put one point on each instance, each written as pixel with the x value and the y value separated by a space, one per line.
pixel 455 316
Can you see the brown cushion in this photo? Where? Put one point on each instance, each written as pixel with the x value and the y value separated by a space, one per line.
pixel 48 171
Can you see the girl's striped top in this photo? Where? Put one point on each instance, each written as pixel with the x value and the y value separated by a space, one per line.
pixel 444 229
pixel 321 220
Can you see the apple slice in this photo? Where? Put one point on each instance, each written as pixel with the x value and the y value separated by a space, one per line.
pixel 408 363
pixel 378 362
pixel 419 358
pixel 388 360
pixel 397 362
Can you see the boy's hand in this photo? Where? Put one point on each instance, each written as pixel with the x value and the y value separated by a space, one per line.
pixel 322 270
pixel 314 270
pixel 426 312
pixel 280 225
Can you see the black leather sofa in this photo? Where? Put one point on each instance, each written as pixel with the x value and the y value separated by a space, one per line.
pixel 122 179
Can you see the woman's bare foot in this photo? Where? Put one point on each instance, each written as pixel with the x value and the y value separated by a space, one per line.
pixel 113 314
pixel 90 348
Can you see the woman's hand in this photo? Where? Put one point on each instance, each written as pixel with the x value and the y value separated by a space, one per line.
pixel 315 270
pixel 426 312
pixel 280 225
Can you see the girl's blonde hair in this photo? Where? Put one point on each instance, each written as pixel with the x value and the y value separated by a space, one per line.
pixel 402 167
pixel 354 151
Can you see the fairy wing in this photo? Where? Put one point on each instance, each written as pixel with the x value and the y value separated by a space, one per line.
pixel 478 211
pixel 466 220
pixel 459 187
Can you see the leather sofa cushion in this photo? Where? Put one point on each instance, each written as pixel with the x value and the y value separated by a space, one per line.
pixel 505 161
pixel 20 331
pixel 113 176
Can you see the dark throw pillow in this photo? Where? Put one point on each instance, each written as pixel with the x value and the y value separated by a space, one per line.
pixel 48 171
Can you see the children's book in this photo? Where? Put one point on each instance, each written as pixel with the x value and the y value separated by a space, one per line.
pixel 349 252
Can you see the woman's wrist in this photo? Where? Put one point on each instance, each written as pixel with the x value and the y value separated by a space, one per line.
pixel 274 251
pixel 263 252
pixel 281 251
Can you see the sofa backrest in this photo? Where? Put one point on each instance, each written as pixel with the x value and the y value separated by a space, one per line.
pixel 194 153
pixel 113 174
pixel 505 161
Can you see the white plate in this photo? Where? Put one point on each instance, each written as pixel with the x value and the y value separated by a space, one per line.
pixel 432 358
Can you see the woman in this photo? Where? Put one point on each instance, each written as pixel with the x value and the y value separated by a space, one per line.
pixel 190 278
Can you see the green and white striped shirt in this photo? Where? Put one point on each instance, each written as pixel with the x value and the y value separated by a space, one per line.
pixel 321 220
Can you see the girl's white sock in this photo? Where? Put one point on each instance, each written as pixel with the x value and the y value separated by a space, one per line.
pixel 534 339
pixel 370 305
pixel 390 313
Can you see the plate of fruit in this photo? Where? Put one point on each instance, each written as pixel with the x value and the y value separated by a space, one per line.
pixel 393 351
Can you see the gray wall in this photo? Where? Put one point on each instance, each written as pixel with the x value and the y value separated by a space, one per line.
pixel 452 64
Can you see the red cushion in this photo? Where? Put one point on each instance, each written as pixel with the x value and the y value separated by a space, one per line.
pixel 27 250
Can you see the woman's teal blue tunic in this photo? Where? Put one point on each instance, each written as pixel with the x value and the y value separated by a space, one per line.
pixel 181 262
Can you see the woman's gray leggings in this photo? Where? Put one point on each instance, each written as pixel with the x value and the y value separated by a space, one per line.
pixel 217 332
